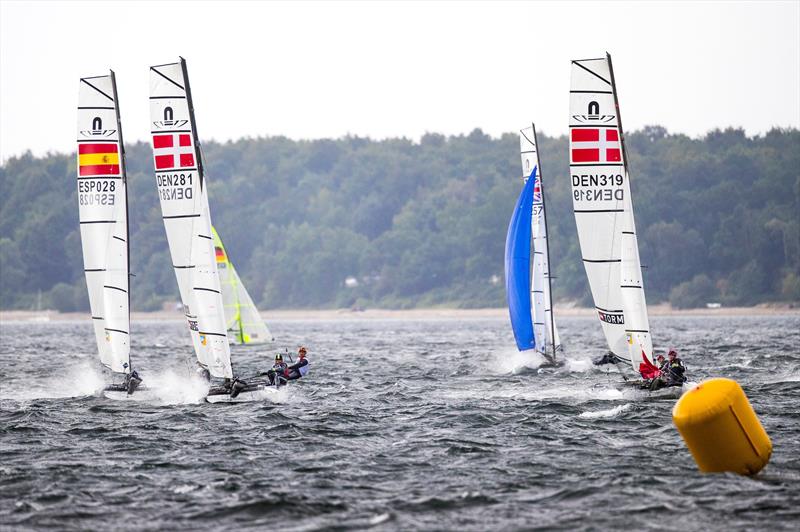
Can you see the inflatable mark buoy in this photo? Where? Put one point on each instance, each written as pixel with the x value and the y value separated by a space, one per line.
pixel 721 429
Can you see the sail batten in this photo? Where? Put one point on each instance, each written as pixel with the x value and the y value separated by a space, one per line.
pixel 185 212
pixel 603 210
pixel 103 217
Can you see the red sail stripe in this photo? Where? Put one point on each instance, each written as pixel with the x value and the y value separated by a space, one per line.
pixel 84 148
pixel 586 155
pixel 187 160
pixel 611 134
pixel 185 140
pixel 613 155
pixel 162 141
pixel 585 135
pixel 165 161
pixel 99 169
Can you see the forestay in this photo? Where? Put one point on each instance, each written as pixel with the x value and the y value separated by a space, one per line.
pixel 183 195
pixel 244 323
pixel 603 209
pixel 103 212
pixel 544 326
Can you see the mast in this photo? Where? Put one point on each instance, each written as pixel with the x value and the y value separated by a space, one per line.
pixel 124 169
pixel 619 115
pixel 190 104
pixel 547 246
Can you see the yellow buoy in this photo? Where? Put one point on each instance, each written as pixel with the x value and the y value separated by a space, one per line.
pixel 721 429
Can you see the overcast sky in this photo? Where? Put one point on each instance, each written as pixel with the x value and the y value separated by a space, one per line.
pixel 314 70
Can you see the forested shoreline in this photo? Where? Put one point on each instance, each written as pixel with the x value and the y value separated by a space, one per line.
pixel 354 222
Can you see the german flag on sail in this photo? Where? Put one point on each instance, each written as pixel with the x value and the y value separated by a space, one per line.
pixel 98 159
pixel 220 253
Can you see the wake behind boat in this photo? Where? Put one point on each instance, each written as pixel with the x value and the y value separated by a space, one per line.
pixel 103 211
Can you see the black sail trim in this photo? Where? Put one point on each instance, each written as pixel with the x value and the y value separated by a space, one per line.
pixel 116 330
pixel 83 80
pixel 167 78
pixel 181 216
pixel 595 74
pixel 115 288
pixel 206 289
pixel 602 260
pixel 212 334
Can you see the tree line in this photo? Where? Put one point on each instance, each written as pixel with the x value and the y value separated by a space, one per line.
pixel 355 222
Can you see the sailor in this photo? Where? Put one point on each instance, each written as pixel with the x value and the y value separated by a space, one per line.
pixel 659 381
pixel 299 368
pixel 674 370
pixel 278 373
pixel 132 381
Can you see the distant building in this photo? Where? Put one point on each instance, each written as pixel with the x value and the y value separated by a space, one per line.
pixel 351 282
pixel 713 305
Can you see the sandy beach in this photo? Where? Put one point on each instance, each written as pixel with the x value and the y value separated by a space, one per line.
pixel 765 309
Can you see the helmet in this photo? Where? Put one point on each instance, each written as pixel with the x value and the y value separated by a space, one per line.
pixel 672 352
pixel 301 351
pixel 279 358
pixel 660 357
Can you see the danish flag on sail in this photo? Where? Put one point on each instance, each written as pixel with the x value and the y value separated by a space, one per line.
pixel 595 145
pixel 173 150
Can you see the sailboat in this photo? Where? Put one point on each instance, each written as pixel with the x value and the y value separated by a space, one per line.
pixel 527 264
pixel 103 212
pixel 183 194
pixel 601 196
pixel 244 324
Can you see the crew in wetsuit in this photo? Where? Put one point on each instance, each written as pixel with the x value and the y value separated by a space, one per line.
pixel 675 373
pixel 299 368
pixel 279 372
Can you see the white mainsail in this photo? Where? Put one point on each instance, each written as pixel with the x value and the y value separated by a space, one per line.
pixel 244 323
pixel 183 194
pixel 103 212
pixel 544 327
pixel 601 197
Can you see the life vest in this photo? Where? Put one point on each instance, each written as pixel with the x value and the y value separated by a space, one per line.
pixel 303 369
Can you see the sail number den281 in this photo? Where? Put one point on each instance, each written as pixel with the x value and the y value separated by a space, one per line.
pixel 609 187
pixel 177 186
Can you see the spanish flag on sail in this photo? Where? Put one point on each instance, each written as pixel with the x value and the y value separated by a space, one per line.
pixel 96 159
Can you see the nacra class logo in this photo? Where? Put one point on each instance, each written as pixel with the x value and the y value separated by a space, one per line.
pixel 593 115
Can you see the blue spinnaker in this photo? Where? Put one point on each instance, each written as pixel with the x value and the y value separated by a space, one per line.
pixel 518 267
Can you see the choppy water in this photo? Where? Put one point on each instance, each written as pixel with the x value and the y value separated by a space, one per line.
pixel 400 425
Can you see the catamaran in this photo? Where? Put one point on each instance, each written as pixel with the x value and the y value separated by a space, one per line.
pixel 103 212
pixel 183 194
pixel 601 198
pixel 244 324
pixel 527 264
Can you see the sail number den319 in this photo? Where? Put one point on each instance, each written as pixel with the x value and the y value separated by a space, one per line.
pixel 610 187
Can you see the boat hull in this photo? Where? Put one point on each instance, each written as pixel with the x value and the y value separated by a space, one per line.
pixel 117 393
pixel 252 393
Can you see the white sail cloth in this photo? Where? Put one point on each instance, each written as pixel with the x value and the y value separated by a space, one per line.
pixel 102 206
pixel 601 197
pixel 544 327
pixel 183 196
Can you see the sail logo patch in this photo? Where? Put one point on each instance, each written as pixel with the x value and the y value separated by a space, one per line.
pixel 537 191
pixel 614 318
pixel 220 254
pixel 173 151
pixel 595 146
pixel 98 159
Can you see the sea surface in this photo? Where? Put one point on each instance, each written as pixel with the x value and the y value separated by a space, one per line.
pixel 400 425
